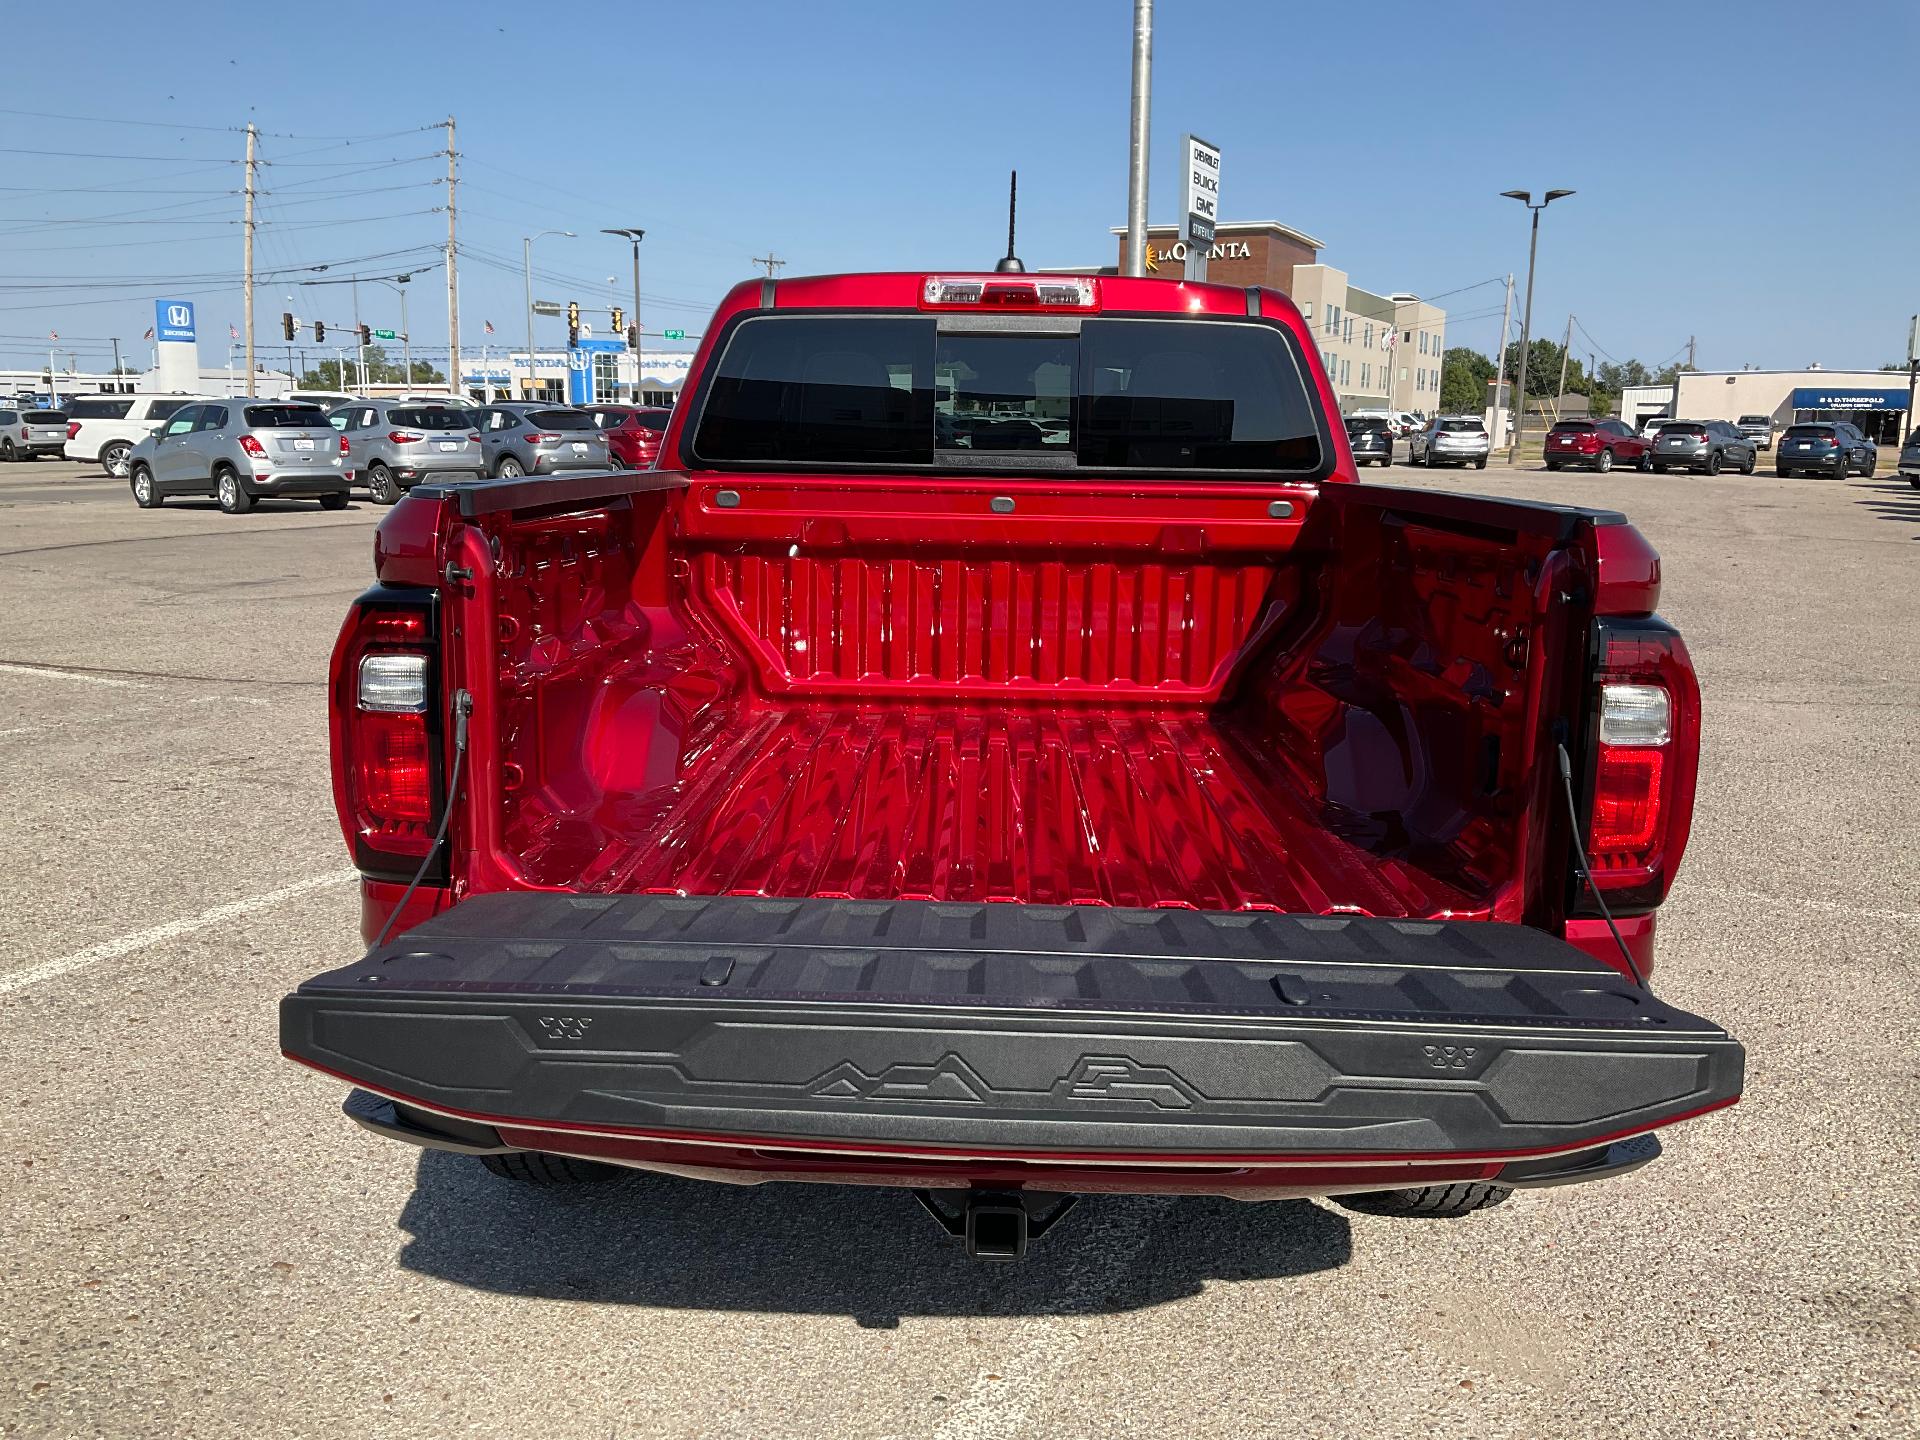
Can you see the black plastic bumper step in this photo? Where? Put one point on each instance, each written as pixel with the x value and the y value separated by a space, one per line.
pixel 1003 1028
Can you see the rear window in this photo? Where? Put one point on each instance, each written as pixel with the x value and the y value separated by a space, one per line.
pixel 432 417
pixel 1572 427
pixel 1682 427
pixel 1756 419
pixel 164 409
pixel 45 417
pixel 1470 427
pixel 1362 426
pixel 560 420
pixel 100 409
pixel 1809 432
pixel 655 420
pixel 1120 394
pixel 284 417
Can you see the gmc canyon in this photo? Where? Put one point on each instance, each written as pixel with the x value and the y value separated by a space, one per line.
pixel 1003 752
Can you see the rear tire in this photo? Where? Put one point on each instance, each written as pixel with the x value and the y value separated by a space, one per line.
pixel 7 453
pixel 1785 472
pixel 113 459
pixel 1841 469
pixel 1752 462
pixel 1438 1202
pixel 1481 463
pixel 1714 461
pixel 227 490
pixel 337 500
pixel 1604 462
pixel 1553 464
pixel 536 1167
pixel 381 484
pixel 145 493
pixel 508 469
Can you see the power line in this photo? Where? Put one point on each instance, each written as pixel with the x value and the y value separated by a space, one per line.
pixel 219 129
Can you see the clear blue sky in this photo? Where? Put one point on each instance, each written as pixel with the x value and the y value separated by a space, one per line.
pixel 1744 171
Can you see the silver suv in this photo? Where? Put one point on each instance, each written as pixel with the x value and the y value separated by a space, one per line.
pixel 529 438
pixel 26 434
pixel 239 451
pixel 393 445
pixel 1451 440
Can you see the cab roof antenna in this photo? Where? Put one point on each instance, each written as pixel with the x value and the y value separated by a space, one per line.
pixel 1010 262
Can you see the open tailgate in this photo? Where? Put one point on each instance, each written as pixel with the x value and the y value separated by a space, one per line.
pixel 999 1029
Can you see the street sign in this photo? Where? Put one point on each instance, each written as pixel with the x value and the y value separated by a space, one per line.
pixel 673 334
pixel 386 334
pixel 548 307
pixel 586 330
pixel 1201 196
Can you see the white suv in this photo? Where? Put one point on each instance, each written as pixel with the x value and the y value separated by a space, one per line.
pixel 105 428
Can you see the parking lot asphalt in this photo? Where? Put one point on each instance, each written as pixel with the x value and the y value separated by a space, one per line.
pixel 196 1243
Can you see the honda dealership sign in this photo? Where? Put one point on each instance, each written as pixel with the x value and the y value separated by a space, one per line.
pixel 173 320
pixel 176 355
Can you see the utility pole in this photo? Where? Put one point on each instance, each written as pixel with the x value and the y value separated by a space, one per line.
pixel 1566 349
pixel 453 280
pixel 116 366
pixel 635 235
pixel 1500 369
pixel 1690 345
pixel 1913 371
pixel 770 260
pixel 252 167
pixel 406 332
pixel 359 350
pixel 1135 262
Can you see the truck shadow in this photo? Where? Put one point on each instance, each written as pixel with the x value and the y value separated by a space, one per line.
pixel 872 1255
pixel 1890 499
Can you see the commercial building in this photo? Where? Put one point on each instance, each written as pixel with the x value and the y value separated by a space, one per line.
pixel 1874 400
pixel 27 380
pixel 1381 351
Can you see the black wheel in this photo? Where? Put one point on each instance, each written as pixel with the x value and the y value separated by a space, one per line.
pixel 1646 463
pixel 1605 461
pixel 7 453
pixel 536 1167
pixel 1386 460
pixel 1714 461
pixel 145 493
pixel 1751 463
pixel 1840 467
pixel 381 484
pixel 1481 463
pixel 1553 464
pixel 1434 1201
pixel 1657 467
pixel 227 490
pixel 1783 471
pixel 336 500
pixel 113 458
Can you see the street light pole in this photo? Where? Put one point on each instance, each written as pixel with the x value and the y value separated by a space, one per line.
pixel 526 243
pixel 636 236
pixel 1136 257
pixel 1525 197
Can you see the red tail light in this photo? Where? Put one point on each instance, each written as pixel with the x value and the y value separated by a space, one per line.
pixel 1646 729
pixel 386 733
pixel 345 448
pixel 73 429
pixel 543 439
pixel 253 447
pixel 25 434
pixel 475 437
pixel 402 437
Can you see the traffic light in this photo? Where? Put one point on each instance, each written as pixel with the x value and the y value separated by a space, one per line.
pixel 319 331
pixel 366 334
pixel 619 319
pixel 633 337
pixel 573 323
pixel 286 323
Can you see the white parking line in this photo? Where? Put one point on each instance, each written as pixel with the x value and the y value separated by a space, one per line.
pixel 1002 1397
pixel 173 929
pixel 48 672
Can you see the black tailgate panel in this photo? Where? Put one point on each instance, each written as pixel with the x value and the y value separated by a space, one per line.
pixel 1009 1027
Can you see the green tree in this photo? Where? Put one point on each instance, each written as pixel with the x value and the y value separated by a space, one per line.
pixel 1464 376
pixel 1543 368
pixel 1668 374
pixel 1614 378
pixel 381 370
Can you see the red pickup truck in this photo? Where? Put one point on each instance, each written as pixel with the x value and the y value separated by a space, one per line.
pixel 1003 752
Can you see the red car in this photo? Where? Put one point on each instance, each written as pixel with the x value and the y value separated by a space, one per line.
pixel 1003 752
pixel 633 433
pixel 1596 444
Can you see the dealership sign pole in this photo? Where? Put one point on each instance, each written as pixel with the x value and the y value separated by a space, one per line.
pixel 1202 204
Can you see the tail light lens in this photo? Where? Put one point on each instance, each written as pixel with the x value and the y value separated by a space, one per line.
pixel 73 429
pixel 1646 730
pixel 346 447
pixel 404 437
pixel 475 437
pixel 385 731
pixel 543 439
pixel 25 433
pixel 253 447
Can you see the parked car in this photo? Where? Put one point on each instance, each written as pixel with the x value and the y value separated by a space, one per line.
pixel 28 434
pixel 1597 444
pixel 1832 446
pixel 1757 428
pixel 531 437
pixel 325 399
pixel 1910 460
pixel 392 445
pixel 1650 426
pixel 240 451
pixel 806 818
pixel 104 429
pixel 1450 440
pixel 1370 438
pixel 632 431
pixel 1708 446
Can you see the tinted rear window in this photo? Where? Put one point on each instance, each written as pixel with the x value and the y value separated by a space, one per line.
pixel 1682 427
pixel 45 417
pixel 1123 394
pixel 1365 426
pixel 432 417
pixel 284 417
pixel 1809 432
pixel 1756 419
pixel 1572 427
pixel 100 409
pixel 655 420
pixel 163 409
pixel 1473 427
pixel 560 419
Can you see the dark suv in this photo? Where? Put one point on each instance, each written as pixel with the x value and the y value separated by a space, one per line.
pixel 1371 440
pixel 1832 447
pixel 1708 446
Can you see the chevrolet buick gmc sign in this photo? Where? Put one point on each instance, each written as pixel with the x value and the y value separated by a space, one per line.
pixel 173 319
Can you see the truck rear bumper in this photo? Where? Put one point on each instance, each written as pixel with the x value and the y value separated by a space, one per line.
pixel 1058 1048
